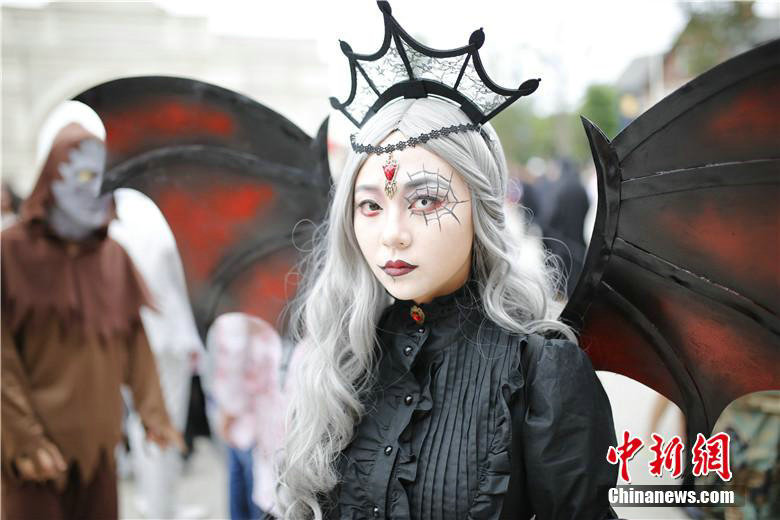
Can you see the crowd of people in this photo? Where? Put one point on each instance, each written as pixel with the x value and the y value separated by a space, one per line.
pixel 100 347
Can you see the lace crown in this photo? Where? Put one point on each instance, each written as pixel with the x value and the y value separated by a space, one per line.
pixel 403 67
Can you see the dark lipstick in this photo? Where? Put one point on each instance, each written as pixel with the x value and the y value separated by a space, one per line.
pixel 398 268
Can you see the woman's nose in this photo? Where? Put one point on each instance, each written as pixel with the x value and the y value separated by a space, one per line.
pixel 396 234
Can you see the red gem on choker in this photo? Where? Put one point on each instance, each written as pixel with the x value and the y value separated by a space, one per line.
pixel 417 314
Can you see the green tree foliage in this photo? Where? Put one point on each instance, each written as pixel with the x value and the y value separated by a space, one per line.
pixel 715 32
pixel 525 134
pixel 601 107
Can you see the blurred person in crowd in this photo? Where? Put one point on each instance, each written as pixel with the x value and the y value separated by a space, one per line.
pixel 563 231
pixel 247 359
pixel 142 231
pixel 544 177
pixel 10 205
pixel 71 335
pixel 271 428
pixel 523 194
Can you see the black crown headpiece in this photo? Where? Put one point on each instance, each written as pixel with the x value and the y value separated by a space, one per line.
pixel 403 67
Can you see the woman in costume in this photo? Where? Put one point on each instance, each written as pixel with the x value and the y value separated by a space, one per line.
pixel 436 382
pixel 428 390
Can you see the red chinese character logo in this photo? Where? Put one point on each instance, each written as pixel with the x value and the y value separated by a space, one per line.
pixel 667 457
pixel 712 455
pixel 624 453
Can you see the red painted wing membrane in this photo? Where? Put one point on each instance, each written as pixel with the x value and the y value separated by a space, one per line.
pixel 681 287
pixel 233 179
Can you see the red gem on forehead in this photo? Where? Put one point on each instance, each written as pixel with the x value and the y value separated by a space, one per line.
pixel 390 169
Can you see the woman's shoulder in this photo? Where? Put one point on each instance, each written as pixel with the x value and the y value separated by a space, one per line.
pixel 480 331
pixel 559 363
pixel 537 356
pixel 536 345
pixel 547 348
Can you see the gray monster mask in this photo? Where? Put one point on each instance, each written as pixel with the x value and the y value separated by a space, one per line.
pixel 78 209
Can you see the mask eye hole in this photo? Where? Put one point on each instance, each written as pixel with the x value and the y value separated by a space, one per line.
pixel 86 175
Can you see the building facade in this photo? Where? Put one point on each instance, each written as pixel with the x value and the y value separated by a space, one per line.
pixel 51 53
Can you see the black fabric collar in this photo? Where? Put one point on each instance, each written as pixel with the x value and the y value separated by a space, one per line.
pixel 463 299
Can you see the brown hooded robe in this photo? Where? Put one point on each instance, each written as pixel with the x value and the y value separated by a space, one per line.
pixel 71 335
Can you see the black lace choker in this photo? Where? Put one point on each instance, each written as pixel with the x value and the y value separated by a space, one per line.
pixel 414 141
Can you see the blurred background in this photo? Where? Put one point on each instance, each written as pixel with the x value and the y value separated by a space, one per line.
pixel 606 60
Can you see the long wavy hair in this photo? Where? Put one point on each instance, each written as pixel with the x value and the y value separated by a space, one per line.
pixel 340 300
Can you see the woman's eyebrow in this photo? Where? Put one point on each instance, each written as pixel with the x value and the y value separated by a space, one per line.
pixel 432 182
pixel 366 187
pixel 416 183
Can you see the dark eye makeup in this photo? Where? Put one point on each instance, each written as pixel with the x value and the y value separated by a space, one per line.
pixel 432 198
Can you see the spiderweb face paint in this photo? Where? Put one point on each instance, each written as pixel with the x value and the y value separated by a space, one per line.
pixel 433 197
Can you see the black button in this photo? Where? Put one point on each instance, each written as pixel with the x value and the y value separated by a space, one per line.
pixel 421 330
pixel 408 399
pixel 375 512
pixel 388 450
pixel 408 350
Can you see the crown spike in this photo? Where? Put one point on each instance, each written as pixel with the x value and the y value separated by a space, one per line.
pixel 345 47
pixel 384 6
pixel 477 38
pixel 530 85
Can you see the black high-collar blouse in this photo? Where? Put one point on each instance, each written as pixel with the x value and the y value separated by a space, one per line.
pixel 466 420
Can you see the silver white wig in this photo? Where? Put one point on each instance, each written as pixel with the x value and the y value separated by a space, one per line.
pixel 340 300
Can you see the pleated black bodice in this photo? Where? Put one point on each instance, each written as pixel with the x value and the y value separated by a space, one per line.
pixel 466 420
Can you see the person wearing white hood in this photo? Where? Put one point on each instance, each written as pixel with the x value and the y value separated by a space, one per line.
pixel 173 336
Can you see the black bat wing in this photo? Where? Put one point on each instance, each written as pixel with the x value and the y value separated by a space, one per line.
pixel 681 284
pixel 239 185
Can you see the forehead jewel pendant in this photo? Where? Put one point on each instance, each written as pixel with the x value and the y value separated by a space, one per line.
pixel 390 168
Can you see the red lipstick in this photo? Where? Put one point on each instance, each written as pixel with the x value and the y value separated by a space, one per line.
pixel 398 267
